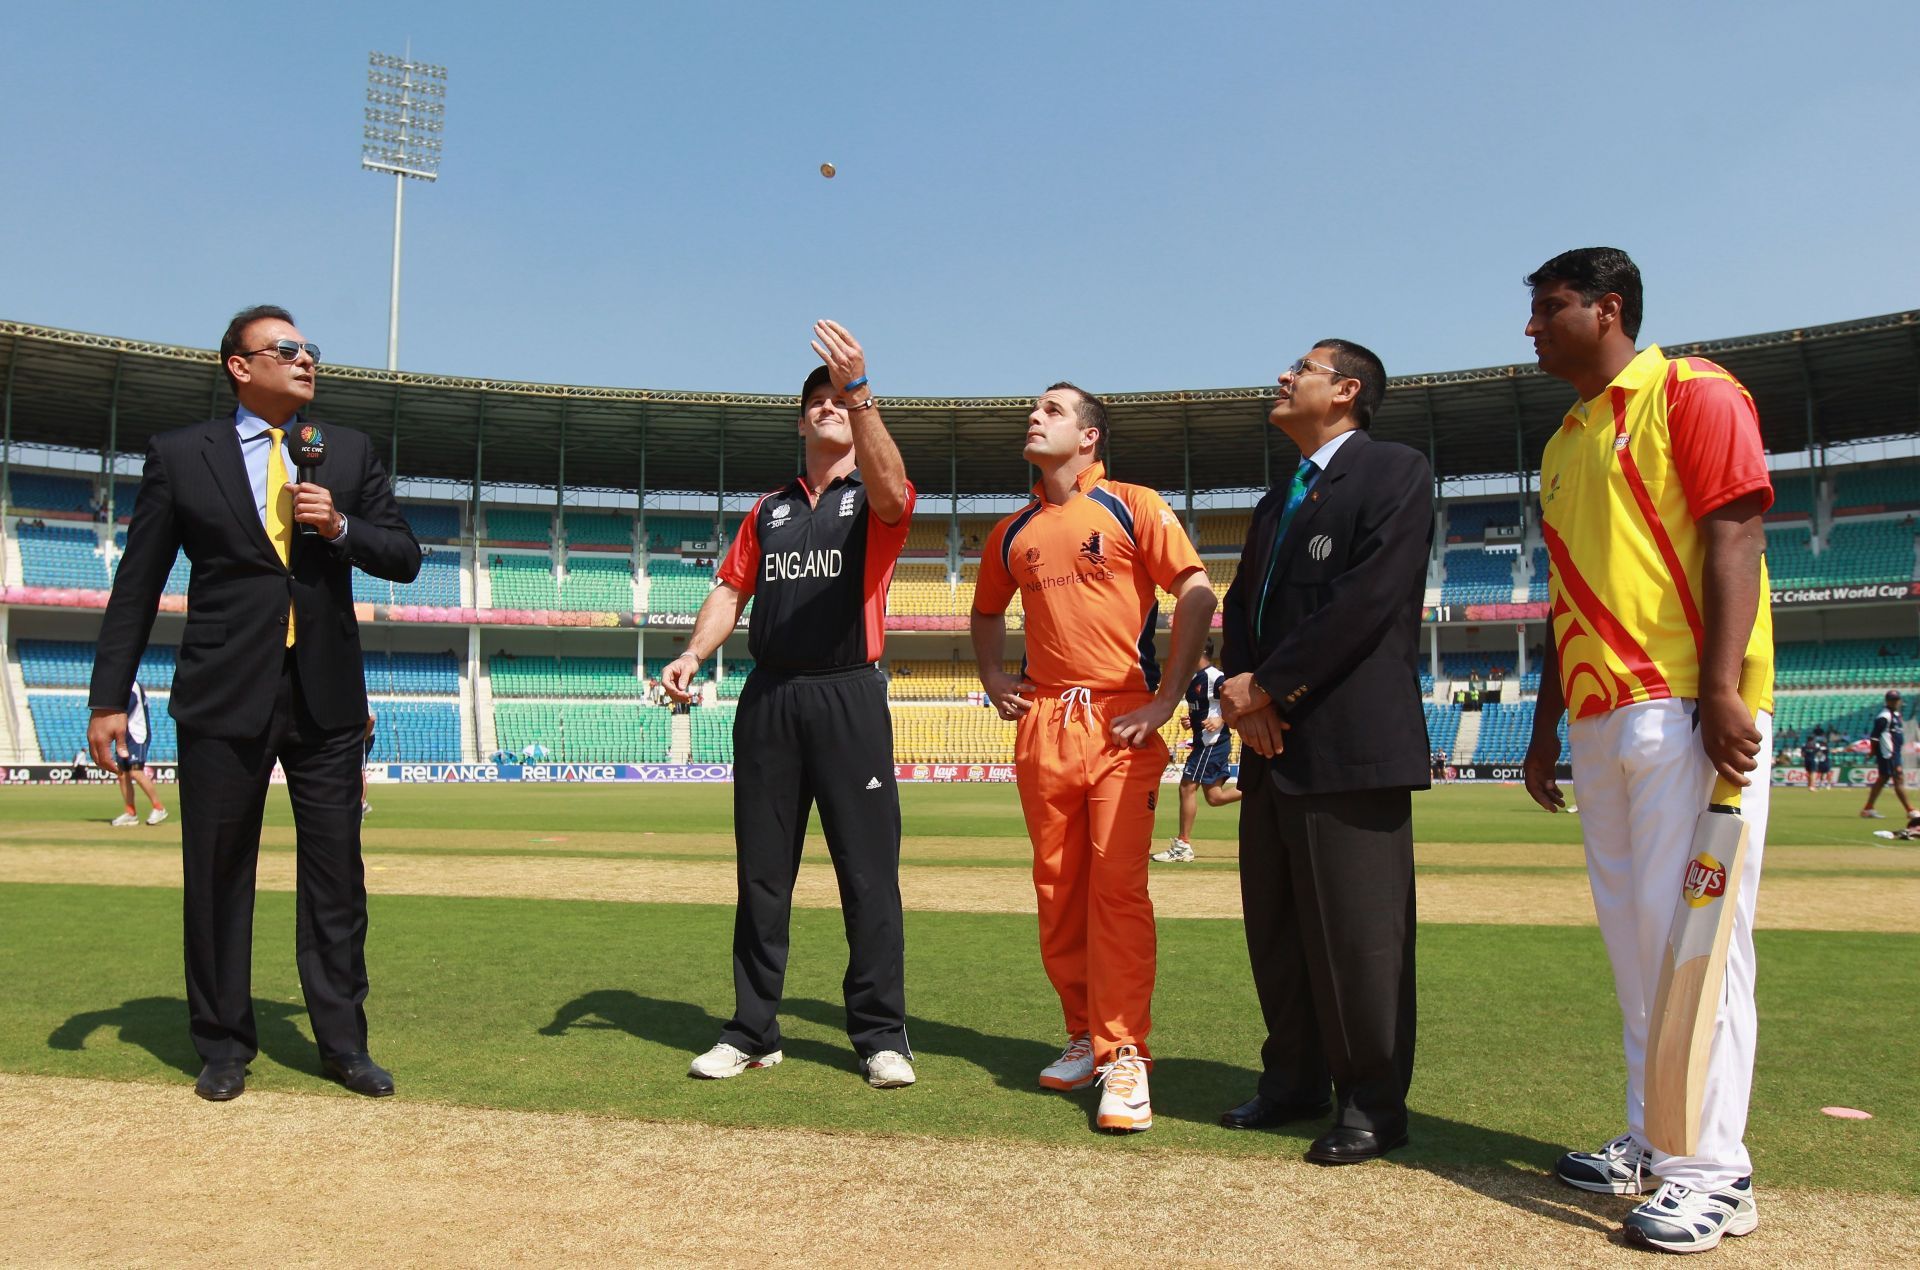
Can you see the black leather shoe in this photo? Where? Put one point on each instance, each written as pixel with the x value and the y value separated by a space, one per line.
pixel 1260 1111
pixel 222 1079
pixel 1342 1145
pixel 361 1074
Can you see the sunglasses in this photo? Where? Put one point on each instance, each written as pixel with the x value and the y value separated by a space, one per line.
pixel 288 351
pixel 1307 366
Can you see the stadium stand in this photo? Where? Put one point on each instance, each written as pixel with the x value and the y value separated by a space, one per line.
pixel 437 585
pixel 1868 551
pixel 523 582
pixel 432 522
pixel 61 556
pixel 1846 663
pixel 676 586
pixel 1475 576
pixel 58 663
pixel 666 532
pixel 519 524
pixel 44 492
pixel 415 732
pixel 922 590
pixel 612 733
pixel 1790 557
pixel 60 722
pixel 951 734
pixel 1849 713
pixel 712 734
pixel 910 680
pixel 598 529
pixel 1505 730
pixel 1469 522
pixel 1539 584
pixel 926 538
pixel 1443 726
pixel 589 677
pixel 1218 531
pixel 412 674
pixel 1873 487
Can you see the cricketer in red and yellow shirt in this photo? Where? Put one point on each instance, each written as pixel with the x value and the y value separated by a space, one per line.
pixel 1623 484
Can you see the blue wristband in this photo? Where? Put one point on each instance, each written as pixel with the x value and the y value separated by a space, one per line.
pixel 855 384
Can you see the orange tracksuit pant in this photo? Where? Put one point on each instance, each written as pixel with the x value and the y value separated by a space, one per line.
pixel 1089 806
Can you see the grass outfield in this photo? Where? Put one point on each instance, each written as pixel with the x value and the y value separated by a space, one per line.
pixel 590 1006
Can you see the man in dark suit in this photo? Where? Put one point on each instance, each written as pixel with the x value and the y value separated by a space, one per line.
pixel 1322 625
pixel 269 669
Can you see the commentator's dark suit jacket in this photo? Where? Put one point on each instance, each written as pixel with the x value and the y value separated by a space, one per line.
pixel 195 495
pixel 1326 837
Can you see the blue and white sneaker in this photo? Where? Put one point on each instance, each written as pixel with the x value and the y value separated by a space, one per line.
pixel 1678 1219
pixel 1618 1168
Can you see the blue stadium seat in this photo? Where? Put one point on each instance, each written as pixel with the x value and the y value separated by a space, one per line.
pixel 412 674
pixel 45 492
pixel 432 521
pixel 60 722
pixel 415 732
pixel 61 556
pixel 58 663
pixel 1470 521
pixel 438 584
pixel 1475 576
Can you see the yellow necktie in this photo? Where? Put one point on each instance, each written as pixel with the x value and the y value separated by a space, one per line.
pixel 279 511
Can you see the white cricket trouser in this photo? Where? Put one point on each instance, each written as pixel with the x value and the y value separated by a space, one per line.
pixel 1642 779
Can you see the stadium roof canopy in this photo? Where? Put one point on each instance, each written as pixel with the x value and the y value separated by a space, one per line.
pixel 1815 386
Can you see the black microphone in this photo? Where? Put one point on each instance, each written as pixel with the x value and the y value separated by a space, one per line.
pixel 309 451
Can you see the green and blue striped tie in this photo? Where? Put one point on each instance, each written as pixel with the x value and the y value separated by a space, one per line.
pixel 1296 495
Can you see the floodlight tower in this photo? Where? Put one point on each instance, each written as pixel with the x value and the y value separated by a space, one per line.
pixel 406 101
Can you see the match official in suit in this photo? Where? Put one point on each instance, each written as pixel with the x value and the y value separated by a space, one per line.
pixel 1321 632
pixel 269 668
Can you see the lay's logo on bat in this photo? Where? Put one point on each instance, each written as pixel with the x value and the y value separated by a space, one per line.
pixel 1706 881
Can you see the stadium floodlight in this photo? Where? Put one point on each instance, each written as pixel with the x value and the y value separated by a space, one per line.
pixel 406 107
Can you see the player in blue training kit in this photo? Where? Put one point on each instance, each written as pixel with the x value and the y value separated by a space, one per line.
pixel 1812 751
pixel 1888 741
pixel 132 766
pixel 1207 765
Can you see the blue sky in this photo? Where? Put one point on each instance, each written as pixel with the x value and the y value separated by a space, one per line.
pixel 1132 196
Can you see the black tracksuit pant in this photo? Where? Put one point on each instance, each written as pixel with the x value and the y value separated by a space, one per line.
pixel 799 740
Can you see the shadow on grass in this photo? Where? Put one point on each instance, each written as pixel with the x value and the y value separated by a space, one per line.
pixel 158 1025
pixel 676 1025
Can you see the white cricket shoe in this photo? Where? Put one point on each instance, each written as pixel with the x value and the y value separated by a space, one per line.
pixel 1178 851
pixel 889 1069
pixel 723 1060
pixel 1073 1069
pixel 1868 813
pixel 1618 1168
pixel 1124 1107
pixel 1678 1219
pixel 125 820
pixel 157 815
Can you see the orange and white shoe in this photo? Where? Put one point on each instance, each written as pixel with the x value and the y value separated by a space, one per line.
pixel 1073 1069
pixel 1124 1106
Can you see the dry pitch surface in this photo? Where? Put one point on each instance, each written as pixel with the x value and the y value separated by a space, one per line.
pixel 96 1171
pixel 135 1174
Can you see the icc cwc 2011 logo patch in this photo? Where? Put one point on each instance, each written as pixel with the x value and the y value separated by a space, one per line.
pixel 309 434
pixel 1706 881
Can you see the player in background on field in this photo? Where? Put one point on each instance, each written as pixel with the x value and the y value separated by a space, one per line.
pixel 1651 492
pixel 132 766
pixel 1812 750
pixel 1086 556
pixel 1888 741
pixel 365 758
pixel 1206 767
pixel 812 728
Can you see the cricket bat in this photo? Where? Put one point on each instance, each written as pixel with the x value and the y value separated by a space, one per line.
pixel 1693 974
